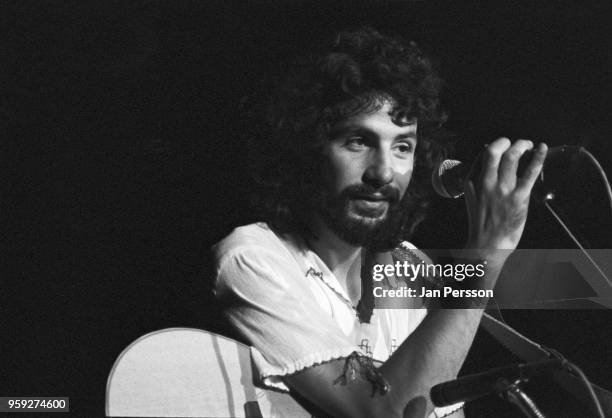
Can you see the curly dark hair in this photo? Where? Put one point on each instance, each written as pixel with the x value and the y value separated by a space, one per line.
pixel 360 71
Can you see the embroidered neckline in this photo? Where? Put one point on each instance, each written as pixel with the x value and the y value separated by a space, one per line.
pixel 331 283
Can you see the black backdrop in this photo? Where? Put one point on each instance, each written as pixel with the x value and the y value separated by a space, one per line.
pixel 124 163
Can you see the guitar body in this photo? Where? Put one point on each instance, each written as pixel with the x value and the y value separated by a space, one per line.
pixel 185 372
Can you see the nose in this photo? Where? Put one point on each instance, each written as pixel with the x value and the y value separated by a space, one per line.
pixel 379 171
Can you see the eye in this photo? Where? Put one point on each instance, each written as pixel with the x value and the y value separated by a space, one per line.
pixel 355 143
pixel 404 148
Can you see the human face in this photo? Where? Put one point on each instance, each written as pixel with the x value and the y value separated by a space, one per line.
pixel 369 163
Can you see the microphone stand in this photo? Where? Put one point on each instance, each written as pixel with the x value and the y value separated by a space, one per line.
pixel 513 393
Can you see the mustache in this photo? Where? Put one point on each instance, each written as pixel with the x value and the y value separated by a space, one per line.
pixel 386 192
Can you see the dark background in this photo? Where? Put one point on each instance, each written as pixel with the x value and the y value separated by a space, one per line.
pixel 123 161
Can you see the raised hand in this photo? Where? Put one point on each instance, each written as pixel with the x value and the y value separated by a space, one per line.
pixel 497 205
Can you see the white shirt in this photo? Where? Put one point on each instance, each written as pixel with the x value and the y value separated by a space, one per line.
pixel 291 308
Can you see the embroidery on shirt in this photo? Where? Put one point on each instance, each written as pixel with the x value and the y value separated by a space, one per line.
pixel 312 272
pixel 365 346
pixel 393 346
pixel 358 365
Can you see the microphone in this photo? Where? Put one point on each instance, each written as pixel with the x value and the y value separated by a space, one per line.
pixel 475 386
pixel 449 177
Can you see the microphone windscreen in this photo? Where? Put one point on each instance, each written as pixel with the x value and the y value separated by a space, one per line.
pixel 450 186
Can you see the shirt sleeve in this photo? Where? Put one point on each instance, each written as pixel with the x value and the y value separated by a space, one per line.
pixel 267 299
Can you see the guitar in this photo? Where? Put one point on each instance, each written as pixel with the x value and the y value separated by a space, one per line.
pixel 186 372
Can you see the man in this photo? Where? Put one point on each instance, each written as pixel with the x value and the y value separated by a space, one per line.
pixel 344 183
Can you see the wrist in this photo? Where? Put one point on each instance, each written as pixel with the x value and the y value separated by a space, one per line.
pixel 494 257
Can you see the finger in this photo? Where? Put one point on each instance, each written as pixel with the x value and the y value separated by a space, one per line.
pixel 491 158
pixel 509 163
pixel 471 202
pixel 533 170
pixel 416 408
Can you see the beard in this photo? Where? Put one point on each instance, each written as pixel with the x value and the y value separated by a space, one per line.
pixel 359 221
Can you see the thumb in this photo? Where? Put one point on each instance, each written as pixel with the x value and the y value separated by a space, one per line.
pixel 471 201
pixel 416 408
